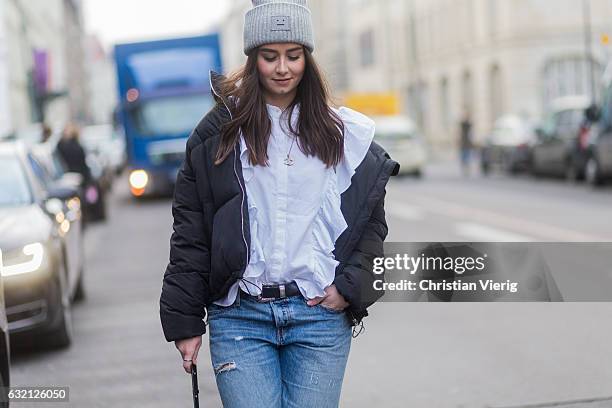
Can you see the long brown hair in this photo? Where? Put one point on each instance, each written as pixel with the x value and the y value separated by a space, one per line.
pixel 320 132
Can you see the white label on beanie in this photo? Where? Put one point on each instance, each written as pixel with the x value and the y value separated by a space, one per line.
pixel 280 23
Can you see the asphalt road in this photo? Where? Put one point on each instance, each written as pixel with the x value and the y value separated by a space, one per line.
pixel 411 354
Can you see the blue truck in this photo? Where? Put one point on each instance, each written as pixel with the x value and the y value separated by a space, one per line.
pixel 164 90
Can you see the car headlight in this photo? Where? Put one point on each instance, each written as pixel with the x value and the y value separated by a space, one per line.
pixel 74 204
pixel 139 179
pixel 28 259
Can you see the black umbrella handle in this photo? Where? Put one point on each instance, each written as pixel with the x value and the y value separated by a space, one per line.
pixel 194 386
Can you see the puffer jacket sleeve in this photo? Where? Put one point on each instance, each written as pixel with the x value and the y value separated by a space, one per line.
pixel 355 283
pixel 185 288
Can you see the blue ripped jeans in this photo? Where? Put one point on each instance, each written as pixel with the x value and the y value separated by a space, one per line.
pixel 278 354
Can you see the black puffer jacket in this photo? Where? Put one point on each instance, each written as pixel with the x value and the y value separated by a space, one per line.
pixel 211 240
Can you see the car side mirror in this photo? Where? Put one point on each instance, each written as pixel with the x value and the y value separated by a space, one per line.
pixel 540 134
pixel 593 113
pixel 70 180
pixel 61 193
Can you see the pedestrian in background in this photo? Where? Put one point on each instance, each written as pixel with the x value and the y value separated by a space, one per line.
pixel 72 152
pixel 465 142
pixel 278 215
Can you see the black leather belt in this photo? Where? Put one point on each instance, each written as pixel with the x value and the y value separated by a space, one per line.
pixel 278 291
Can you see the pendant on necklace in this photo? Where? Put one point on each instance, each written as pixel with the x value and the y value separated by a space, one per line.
pixel 289 161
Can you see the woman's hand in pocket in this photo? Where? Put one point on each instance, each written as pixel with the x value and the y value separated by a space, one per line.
pixel 332 299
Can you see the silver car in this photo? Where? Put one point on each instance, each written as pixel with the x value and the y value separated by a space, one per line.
pixel 41 247
pixel 399 136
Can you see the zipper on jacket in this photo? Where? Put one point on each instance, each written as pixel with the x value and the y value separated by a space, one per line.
pixel 246 245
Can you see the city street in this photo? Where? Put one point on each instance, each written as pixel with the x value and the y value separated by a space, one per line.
pixel 498 286
pixel 410 355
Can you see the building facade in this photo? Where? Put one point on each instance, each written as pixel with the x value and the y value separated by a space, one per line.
pixel 102 81
pixel 231 35
pixel 485 57
pixel 77 80
pixel 42 62
pixel 5 112
pixel 447 58
pixel 331 36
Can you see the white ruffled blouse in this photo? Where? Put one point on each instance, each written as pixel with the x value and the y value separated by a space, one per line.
pixel 294 211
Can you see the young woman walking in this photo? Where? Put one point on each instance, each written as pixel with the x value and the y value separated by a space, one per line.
pixel 278 215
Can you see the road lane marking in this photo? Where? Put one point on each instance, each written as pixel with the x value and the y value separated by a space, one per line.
pixel 497 220
pixel 404 211
pixel 484 233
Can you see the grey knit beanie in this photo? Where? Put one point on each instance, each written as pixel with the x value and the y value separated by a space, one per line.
pixel 278 21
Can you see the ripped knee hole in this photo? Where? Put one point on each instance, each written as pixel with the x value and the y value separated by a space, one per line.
pixel 231 365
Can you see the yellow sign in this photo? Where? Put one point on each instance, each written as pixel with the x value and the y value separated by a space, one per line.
pixel 374 103
pixel 605 39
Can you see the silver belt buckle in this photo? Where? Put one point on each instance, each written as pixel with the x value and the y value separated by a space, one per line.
pixel 282 290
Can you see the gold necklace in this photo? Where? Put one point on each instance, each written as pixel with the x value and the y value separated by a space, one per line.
pixel 288 160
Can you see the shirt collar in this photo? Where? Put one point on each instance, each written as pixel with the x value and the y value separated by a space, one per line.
pixel 276 112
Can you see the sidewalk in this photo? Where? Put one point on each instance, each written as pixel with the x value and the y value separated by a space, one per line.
pixel 585 403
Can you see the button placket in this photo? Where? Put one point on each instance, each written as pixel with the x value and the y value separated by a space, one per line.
pixel 282 170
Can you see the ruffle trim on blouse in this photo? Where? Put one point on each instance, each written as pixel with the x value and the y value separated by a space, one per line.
pixel 330 223
pixel 247 168
pixel 257 261
pixel 358 135
pixel 328 226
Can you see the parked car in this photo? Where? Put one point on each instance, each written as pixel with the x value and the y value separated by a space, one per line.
pixel 5 349
pixel 561 145
pixel 42 247
pixel 598 168
pixel 400 137
pixel 508 147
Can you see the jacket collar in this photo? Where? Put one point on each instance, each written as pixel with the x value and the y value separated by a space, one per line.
pixel 215 80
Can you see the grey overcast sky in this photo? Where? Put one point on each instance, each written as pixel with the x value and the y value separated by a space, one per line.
pixel 115 21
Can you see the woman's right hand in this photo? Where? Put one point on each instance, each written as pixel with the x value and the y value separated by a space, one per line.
pixel 189 351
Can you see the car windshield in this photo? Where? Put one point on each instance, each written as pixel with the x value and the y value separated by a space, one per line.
pixel 171 115
pixel 14 187
pixel 509 134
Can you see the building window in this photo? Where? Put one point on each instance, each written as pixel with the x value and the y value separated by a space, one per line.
pixel 569 76
pixel 492 10
pixel 445 107
pixel 366 48
pixel 496 93
pixel 467 93
pixel 418 96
